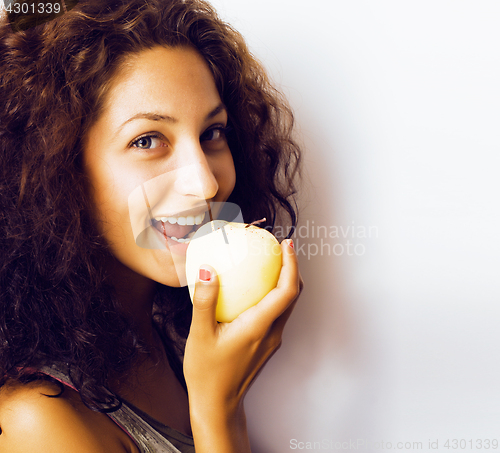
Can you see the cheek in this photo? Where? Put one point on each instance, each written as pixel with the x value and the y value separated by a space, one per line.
pixel 226 175
pixel 104 191
pixel 110 195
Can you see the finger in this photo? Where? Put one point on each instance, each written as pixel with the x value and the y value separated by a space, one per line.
pixel 205 301
pixel 286 314
pixel 287 289
pixel 279 324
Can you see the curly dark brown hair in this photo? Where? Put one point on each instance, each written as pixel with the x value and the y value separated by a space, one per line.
pixel 56 302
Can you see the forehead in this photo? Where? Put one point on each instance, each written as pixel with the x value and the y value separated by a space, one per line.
pixel 169 77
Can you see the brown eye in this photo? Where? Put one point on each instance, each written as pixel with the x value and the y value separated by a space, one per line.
pixel 148 142
pixel 215 133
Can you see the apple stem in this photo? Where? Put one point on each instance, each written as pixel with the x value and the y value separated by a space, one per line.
pixel 256 222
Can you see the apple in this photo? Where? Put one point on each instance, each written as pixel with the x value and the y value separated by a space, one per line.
pixel 247 260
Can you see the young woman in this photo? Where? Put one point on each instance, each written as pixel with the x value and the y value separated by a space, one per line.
pixel 101 349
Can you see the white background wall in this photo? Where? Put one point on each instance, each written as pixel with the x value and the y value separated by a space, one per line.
pixel 398 106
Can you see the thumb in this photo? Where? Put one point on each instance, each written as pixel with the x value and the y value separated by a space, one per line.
pixel 205 296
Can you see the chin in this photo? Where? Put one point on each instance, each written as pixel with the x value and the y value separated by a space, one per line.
pixel 170 269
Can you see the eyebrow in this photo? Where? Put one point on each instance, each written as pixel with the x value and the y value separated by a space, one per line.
pixel 167 118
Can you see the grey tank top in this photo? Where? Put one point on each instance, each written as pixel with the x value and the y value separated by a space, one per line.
pixel 148 434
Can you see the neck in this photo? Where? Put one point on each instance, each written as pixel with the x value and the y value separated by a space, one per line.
pixel 151 384
pixel 135 295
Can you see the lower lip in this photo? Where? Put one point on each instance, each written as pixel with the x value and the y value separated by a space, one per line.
pixel 179 248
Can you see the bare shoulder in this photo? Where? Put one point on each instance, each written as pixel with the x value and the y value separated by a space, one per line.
pixel 34 418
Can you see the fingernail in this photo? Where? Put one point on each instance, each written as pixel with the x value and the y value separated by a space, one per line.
pixel 205 275
pixel 291 243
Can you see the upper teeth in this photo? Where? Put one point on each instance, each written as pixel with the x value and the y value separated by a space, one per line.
pixel 189 220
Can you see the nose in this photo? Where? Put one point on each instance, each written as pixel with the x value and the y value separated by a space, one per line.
pixel 195 177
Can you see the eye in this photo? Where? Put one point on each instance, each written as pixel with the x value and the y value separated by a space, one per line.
pixel 150 141
pixel 215 133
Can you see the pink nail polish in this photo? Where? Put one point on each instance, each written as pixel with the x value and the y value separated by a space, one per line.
pixel 205 275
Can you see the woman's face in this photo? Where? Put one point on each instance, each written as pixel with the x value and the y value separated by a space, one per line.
pixel 155 158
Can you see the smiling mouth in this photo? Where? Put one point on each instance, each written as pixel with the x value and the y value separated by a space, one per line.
pixel 180 228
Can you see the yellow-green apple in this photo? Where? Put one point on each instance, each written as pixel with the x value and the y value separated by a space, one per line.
pixel 247 260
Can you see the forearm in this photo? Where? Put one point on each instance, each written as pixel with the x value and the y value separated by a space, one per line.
pixel 219 430
pixel 221 360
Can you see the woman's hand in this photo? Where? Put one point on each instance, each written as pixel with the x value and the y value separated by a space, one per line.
pixel 222 359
